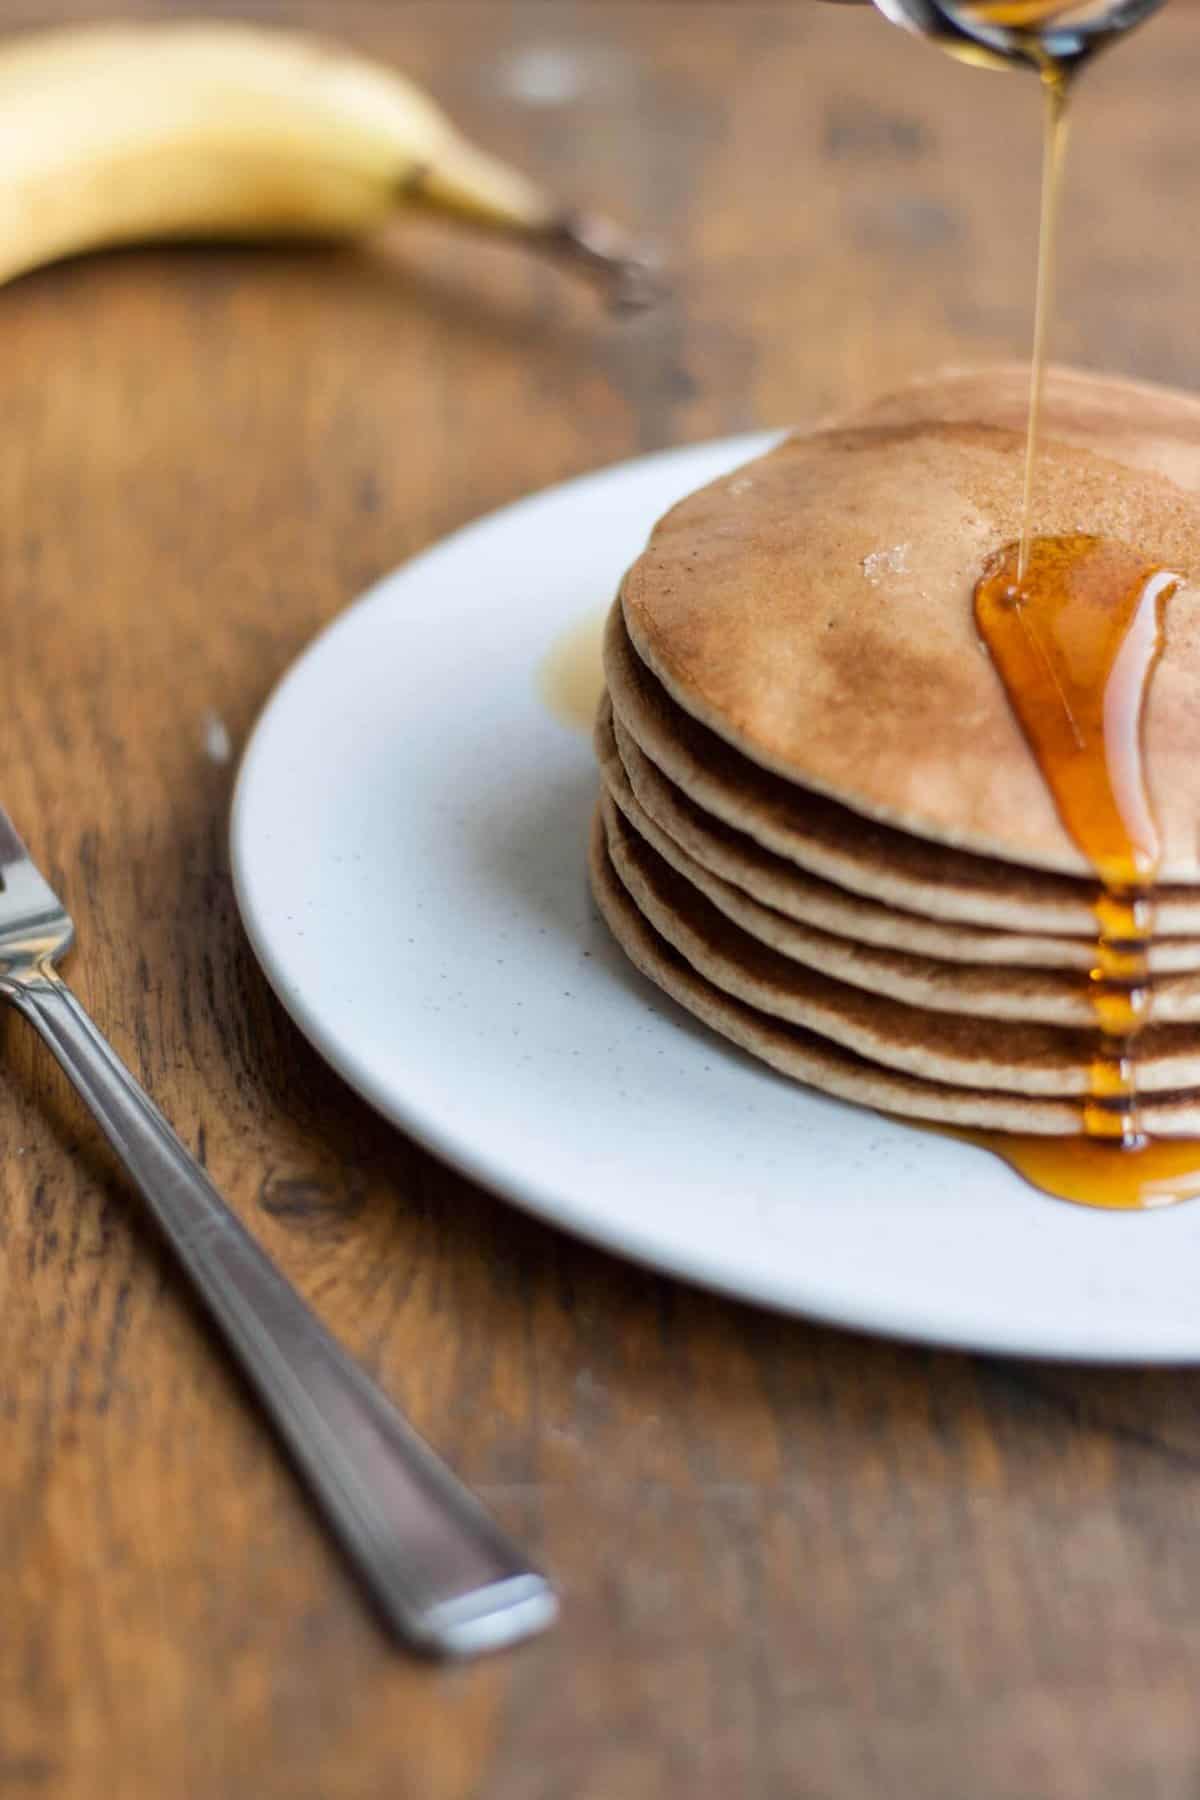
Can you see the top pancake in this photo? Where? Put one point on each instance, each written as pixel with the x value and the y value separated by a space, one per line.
pixel 815 608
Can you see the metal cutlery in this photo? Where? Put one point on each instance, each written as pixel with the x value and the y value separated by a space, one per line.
pixel 444 1577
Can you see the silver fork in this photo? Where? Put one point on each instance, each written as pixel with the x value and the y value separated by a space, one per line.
pixel 444 1577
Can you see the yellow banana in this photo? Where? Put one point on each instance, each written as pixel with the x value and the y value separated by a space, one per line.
pixel 118 134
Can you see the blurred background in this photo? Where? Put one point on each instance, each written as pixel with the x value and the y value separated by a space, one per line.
pixel 841 206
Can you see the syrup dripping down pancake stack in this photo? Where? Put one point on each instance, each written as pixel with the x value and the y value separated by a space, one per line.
pixel 827 828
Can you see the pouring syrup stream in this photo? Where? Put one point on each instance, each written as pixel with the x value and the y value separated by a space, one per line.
pixel 1055 91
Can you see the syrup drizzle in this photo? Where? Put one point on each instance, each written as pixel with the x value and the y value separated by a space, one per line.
pixel 1095 1172
pixel 1074 625
pixel 1075 638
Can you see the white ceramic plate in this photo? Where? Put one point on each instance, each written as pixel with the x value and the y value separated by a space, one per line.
pixel 408 846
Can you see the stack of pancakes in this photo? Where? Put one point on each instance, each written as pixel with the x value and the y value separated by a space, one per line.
pixel 821 829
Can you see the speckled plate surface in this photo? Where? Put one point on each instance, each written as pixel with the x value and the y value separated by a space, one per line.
pixel 408 843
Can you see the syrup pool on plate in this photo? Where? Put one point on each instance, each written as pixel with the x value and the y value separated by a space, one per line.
pixel 571 678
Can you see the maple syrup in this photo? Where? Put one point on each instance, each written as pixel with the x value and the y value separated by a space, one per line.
pixel 1075 637
pixel 1055 91
pixel 571 677
pixel 1097 1172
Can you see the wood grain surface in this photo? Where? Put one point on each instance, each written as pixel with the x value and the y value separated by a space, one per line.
pixel 795 1563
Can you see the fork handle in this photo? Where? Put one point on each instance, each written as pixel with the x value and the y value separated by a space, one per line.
pixel 445 1578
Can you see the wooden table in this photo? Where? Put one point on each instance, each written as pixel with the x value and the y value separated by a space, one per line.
pixel 795 1563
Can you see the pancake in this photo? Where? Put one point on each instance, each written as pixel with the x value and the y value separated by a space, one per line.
pixel 661 811
pixel 1044 996
pixel 818 1063
pixel 814 612
pixel 951 1049
pixel 825 839
pixel 823 830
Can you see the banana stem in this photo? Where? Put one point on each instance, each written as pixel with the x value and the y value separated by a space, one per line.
pixel 480 191
pixel 631 277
